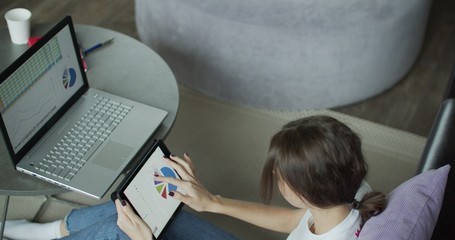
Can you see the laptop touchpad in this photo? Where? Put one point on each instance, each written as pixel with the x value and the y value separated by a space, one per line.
pixel 113 155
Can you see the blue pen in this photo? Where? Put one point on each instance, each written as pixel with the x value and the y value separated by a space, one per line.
pixel 91 49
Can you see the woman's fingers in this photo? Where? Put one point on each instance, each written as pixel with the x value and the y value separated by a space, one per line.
pixel 187 158
pixel 126 210
pixel 123 219
pixel 185 163
pixel 175 165
pixel 184 166
pixel 181 166
pixel 174 181
pixel 130 223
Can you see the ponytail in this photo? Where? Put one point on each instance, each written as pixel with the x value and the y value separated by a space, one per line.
pixel 372 204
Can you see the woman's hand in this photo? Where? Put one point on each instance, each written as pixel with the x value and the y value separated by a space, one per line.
pixel 190 190
pixel 130 223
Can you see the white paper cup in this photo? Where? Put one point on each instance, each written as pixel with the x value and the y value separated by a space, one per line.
pixel 18 21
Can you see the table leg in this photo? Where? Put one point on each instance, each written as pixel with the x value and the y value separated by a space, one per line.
pixel 5 211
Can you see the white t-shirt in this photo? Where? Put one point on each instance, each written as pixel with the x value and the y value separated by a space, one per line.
pixel 348 229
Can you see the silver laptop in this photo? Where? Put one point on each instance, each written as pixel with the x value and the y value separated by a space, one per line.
pixel 59 129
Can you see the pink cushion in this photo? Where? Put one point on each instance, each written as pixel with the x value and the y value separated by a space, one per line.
pixel 412 208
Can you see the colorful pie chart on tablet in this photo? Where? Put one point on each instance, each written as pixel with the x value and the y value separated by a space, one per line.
pixel 165 188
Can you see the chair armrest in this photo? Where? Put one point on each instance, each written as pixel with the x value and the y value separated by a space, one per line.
pixel 439 151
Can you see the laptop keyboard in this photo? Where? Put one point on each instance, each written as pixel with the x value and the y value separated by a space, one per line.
pixel 84 138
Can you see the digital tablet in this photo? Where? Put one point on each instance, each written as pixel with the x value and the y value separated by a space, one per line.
pixel 150 198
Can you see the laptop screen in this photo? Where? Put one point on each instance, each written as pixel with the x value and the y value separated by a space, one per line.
pixel 39 86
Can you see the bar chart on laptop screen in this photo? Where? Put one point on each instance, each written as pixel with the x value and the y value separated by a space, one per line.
pixel 27 97
pixel 21 80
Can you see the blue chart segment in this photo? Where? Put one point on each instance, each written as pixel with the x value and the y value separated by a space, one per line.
pixel 69 78
pixel 165 188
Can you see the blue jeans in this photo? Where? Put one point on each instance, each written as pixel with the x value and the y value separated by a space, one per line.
pixel 100 222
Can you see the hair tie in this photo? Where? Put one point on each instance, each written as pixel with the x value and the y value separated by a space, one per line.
pixel 355 204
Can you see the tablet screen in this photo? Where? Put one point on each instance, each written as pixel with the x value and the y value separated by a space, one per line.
pixel 150 198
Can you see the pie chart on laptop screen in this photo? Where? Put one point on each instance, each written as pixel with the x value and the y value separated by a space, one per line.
pixel 69 77
pixel 165 188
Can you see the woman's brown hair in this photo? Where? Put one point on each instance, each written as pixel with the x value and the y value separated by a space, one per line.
pixel 321 160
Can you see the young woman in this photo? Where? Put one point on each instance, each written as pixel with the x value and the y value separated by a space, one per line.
pixel 317 164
